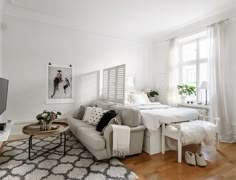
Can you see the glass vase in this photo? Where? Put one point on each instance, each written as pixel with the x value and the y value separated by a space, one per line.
pixel 42 126
pixel 48 125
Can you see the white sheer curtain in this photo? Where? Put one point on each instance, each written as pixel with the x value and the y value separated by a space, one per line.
pixel 220 80
pixel 173 73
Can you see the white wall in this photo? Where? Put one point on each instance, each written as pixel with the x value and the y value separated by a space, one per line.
pixel 160 69
pixel 29 45
pixel 1 12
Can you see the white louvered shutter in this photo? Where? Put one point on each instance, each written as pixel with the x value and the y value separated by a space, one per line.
pixel 114 84
pixel 105 84
pixel 120 84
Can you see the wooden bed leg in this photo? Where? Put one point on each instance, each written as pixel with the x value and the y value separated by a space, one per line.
pixel 163 143
pixel 179 149
pixel 217 141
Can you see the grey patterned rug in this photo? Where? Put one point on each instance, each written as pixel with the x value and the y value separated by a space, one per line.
pixel 78 163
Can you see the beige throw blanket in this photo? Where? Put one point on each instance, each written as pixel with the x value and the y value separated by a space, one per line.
pixel 121 140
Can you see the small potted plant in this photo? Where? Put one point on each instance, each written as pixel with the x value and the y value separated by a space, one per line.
pixel 152 95
pixel 186 90
pixel 45 119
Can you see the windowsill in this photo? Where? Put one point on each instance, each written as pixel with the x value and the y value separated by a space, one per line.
pixel 199 106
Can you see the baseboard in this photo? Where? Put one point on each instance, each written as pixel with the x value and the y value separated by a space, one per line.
pixel 234 136
pixel 24 122
pixel 13 137
pixel 17 128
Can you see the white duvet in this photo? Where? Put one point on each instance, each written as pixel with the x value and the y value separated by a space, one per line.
pixel 155 113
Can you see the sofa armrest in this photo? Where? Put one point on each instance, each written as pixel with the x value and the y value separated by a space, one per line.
pixel 108 135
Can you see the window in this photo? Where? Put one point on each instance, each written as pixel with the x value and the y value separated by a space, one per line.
pixel 114 84
pixel 194 62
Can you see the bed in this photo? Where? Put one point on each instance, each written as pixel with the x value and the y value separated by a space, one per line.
pixel 153 114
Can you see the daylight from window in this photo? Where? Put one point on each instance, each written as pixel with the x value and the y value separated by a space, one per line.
pixel 194 63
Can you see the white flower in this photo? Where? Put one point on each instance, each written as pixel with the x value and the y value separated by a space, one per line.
pixel 44 115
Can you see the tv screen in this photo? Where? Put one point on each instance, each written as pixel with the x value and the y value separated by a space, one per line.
pixel 3 94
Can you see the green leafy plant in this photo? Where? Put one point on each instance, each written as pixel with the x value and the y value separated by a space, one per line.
pixel 185 89
pixel 152 93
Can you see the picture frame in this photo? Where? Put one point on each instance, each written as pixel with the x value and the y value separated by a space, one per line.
pixel 59 84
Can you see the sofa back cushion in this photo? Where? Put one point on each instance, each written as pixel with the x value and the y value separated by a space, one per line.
pixel 81 112
pixel 103 105
pixel 131 117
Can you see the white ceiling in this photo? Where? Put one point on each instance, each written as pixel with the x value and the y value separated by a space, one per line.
pixel 130 19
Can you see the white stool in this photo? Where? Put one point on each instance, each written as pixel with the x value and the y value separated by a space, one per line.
pixel 169 130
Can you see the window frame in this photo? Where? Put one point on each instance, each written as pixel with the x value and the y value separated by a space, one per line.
pixel 196 61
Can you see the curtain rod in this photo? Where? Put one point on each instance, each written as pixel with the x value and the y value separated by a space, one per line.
pixel 199 30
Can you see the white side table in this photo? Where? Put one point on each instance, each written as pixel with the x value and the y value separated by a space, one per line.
pixel 5 134
pixel 203 109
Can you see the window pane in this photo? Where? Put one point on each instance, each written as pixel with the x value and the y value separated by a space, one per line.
pixel 189 77
pixel 203 49
pixel 203 72
pixel 203 76
pixel 189 51
pixel 189 74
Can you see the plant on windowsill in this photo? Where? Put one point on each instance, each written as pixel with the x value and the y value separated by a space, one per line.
pixel 45 119
pixel 152 95
pixel 186 90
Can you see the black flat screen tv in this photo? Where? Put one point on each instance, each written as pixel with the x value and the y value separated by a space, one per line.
pixel 3 94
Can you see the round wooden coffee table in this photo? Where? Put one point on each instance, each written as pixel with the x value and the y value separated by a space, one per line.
pixel 34 130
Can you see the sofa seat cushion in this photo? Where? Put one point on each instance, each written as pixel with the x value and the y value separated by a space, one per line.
pixel 75 124
pixel 92 138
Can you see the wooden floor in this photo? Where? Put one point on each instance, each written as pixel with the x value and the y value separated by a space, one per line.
pixel 221 165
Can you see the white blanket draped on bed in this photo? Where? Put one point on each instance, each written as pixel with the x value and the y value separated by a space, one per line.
pixel 154 114
pixel 121 140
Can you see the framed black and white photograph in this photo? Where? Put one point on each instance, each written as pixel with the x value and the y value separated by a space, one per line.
pixel 59 84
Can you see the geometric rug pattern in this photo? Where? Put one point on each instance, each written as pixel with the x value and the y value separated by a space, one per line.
pixel 78 163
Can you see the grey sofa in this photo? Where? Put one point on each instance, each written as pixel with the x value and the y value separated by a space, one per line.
pixel 101 145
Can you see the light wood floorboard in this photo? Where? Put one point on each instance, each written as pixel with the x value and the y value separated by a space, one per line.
pixel 221 164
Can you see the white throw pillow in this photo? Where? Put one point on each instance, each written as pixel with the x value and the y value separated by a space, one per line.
pixel 88 113
pixel 128 99
pixel 140 98
pixel 95 117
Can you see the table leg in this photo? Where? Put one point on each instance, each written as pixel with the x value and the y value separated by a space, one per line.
pixel 60 138
pixel 30 146
pixel 64 143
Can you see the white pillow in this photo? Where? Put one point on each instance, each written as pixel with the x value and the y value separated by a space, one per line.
pixel 128 99
pixel 95 117
pixel 140 98
pixel 88 113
